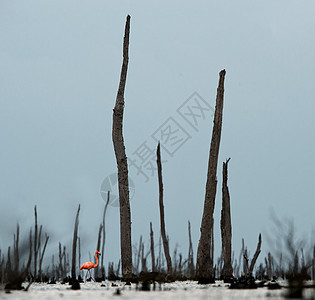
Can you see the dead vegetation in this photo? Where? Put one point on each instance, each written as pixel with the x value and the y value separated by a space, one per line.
pixel 134 264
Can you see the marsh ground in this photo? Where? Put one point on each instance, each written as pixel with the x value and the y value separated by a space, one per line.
pixel 175 290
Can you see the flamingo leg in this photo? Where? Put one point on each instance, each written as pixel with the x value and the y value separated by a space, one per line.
pixel 91 276
pixel 86 275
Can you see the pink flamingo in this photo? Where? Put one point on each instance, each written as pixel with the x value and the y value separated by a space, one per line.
pixel 89 265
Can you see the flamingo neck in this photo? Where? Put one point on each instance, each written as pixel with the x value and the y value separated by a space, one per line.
pixel 96 260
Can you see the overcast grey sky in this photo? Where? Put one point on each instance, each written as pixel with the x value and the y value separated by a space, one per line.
pixel 60 63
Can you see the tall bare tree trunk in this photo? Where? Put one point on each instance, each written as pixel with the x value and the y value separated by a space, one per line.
pixel 204 267
pixel 226 226
pixel 122 166
pixel 163 233
pixel 74 244
pixel 152 247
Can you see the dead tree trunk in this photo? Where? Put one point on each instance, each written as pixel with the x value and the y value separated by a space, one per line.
pixel 35 244
pixel 204 267
pixel 9 270
pixel 163 233
pixel 104 235
pixel 64 262
pixel 1 267
pixel 60 262
pixel 38 249
pixel 191 268
pixel 313 268
pixel 252 264
pixel 42 257
pixel 159 263
pixel 245 258
pixel 79 262
pixel 152 248
pixel 98 246
pixel 143 260
pixel 14 280
pixel 122 166
pixel 137 259
pixel 226 226
pixel 16 249
pixel 31 252
pixel 74 244
pixel 245 263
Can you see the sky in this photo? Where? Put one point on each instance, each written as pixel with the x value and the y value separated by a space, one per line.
pixel 60 64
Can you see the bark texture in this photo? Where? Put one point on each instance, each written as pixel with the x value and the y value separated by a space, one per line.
pixel 122 166
pixel 204 266
pixel 226 225
pixel 163 233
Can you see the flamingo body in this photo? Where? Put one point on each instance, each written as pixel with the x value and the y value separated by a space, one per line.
pixel 90 265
